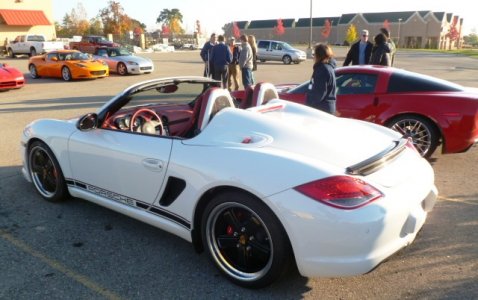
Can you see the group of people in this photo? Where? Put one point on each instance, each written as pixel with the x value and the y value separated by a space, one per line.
pixel 321 93
pixel 227 62
pixel 364 52
pixel 224 63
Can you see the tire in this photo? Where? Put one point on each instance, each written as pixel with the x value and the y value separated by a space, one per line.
pixel 121 69
pixel 33 71
pixel 10 53
pixel 33 52
pixel 245 240
pixel 46 173
pixel 287 60
pixel 422 131
pixel 66 74
pixel 262 60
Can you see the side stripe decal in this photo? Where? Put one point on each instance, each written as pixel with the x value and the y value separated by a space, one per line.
pixel 130 202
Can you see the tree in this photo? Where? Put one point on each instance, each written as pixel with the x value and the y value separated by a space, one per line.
pixel 114 19
pixel 279 29
pixel 325 31
pixel 351 35
pixel 171 19
pixel 453 33
pixel 386 24
pixel 236 32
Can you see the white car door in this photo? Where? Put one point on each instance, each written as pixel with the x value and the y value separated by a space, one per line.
pixel 119 164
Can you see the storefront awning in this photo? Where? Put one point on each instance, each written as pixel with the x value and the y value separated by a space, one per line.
pixel 17 17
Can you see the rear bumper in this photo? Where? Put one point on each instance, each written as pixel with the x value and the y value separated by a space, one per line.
pixel 331 242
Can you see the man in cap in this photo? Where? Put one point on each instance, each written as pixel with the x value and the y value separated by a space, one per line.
pixel 234 71
pixel 360 52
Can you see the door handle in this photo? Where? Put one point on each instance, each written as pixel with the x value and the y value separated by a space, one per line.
pixel 153 164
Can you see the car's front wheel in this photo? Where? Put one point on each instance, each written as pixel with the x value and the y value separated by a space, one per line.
pixel 33 71
pixel 245 240
pixel 287 60
pixel 46 173
pixel 33 52
pixel 121 69
pixel 66 74
pixel 422 131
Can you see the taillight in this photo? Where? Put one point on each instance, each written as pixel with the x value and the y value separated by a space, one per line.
pixel 342 192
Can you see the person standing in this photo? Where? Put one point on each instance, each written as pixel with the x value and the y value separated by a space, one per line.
pixel 245 62
pixel 233 74
pixel 391 45
pixel 221 58
pixel 252 42
pixel 321 92
pixel 360 52
pixel 381 51
pixel 206 56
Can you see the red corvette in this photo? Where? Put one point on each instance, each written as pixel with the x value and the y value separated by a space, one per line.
pixel 429 110
pixel 10 78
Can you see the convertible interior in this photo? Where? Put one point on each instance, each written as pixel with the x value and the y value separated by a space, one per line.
pixel 171 115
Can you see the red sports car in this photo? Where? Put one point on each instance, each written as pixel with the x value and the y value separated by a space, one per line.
pixel 10 78
pixel 429 110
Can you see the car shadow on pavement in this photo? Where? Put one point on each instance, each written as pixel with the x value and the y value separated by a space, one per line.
pixel 117 253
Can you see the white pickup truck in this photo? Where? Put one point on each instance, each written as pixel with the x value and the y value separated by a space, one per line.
pixel 32 44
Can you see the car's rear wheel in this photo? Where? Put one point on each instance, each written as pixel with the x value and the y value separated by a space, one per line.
pixel 245 240
pixel 46 173
pixel 262 60
pixel 423 132
pixel 33 52
pixel 66 74
pixel 10 53
pixel 121 69
pixel 286 60
pixel 33 71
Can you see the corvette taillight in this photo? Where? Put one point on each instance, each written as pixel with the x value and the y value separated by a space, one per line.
pixel 342 192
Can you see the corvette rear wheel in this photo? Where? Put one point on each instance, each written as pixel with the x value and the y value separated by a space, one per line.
pixel 121 69
pixel 423 132
pixel 245 240
pixel 66 74
pixel 45 173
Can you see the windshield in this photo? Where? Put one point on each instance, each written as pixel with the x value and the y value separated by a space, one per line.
pixel 287 46
pixel 73 56
pixel 119 52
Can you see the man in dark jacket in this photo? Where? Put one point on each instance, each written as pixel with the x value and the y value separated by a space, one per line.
pixel 206 56
pixel 360 52
pixel 221 57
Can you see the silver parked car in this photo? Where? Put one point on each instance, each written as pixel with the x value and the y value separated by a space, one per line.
pixel 123 62
pixel 279 51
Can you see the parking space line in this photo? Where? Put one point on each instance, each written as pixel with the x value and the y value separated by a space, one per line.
pixel 59 267
pixel 458 200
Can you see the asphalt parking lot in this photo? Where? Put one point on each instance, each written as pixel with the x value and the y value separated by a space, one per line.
pixel 78 250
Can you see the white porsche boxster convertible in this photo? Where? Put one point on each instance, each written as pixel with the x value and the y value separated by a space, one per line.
pixel 257 188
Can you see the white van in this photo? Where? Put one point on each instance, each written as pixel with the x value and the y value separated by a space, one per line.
pixel 279 51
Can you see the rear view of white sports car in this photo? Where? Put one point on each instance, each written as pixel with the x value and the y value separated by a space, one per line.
pixel 257 189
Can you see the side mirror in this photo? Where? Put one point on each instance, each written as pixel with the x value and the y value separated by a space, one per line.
pixel 88 122
pixel 54 58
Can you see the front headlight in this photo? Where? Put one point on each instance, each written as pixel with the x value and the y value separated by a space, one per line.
pixel 80 65
pixel 103 63
pixel 132 63
pixel 20 78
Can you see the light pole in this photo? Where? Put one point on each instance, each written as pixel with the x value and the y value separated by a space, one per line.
pixel 309 50
pixel 398 40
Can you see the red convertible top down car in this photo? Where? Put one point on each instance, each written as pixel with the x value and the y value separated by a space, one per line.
pixel 10 78
pixel 430 110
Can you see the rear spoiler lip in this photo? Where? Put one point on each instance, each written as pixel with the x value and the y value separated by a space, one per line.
pixel 379 160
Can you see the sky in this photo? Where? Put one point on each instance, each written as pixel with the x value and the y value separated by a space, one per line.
pixel 213 14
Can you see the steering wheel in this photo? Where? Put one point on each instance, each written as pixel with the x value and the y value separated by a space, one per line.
pixel 149 124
